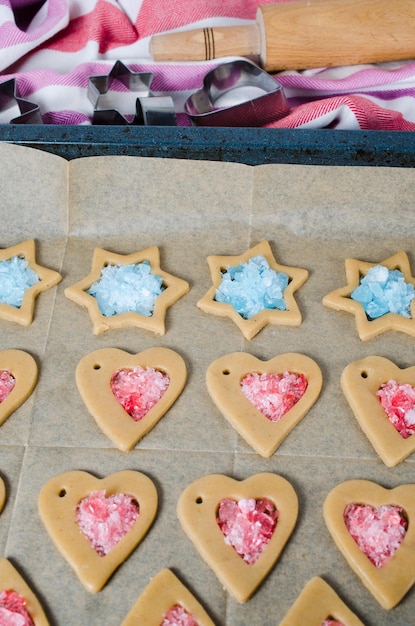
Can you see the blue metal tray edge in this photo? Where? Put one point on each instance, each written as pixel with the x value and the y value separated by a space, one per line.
pixel 252 146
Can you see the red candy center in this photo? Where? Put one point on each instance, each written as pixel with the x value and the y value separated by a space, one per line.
pixel 138 390
pixel 7 383
pixel 274 394
pixel 178 616
pixel 377 531
pixel 398 402
pixel 247 525
pixel 13 610
pixel 105 521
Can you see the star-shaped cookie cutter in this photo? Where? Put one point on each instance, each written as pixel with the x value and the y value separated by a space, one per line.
pixel 340 299
pixel 149 110
pixel 9 99
pixel 250 327
pixel 173 289
pixel 47 278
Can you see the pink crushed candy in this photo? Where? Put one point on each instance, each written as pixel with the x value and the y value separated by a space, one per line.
pixel 274 394
pixel 247 525
pixel 377 531
pixel 178 616
pixel 7 383
pixel 332 622
pixel 398 402
pixel 139 389
pixel 13 610
pixel 105 521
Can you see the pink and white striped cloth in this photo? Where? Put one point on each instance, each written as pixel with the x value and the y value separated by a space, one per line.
pixel 52 47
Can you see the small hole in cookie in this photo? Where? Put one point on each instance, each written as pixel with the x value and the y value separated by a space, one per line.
pixel 62 493
pixel 363 374
pixel 199 500
pixel 226 372
pixel 97 366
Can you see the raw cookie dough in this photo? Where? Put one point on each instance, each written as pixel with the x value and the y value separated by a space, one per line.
pixel 360 381
pixel 58 500
pixel 47 278
pixel 223 378
pixel 340 299
pixel 316 603
pixel 250 327
pixel 197 509
pixel 389 583
pixel 23 368
pixel 93 375
pixel 3 494
pixel 11 580
pixel 174 289
pixel 163 592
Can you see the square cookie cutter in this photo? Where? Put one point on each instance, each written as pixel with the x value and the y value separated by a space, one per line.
pixel 237 93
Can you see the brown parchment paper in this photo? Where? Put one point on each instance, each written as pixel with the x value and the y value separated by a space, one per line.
pixel 314 217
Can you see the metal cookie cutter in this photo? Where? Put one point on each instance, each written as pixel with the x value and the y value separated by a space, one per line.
pixel 29 112
pixel 238 93
pixel 149 109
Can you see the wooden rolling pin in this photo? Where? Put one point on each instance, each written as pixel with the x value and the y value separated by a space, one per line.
pixel 300 34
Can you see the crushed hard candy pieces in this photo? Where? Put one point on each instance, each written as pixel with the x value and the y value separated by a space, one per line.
pixel 178 616
pixel 127 288
pixel 398 402
pixel 274 394
pixel 7 383
pixel 384 291
pixel 252 287
pixel 377 531
pixel 15 278
pixel 13 610
pixel 105 521
pixel 247 525
pixel 332 622
pixel 139 389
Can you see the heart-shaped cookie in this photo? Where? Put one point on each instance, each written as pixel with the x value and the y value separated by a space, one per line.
pixel 59 501
pixel 197 510
pixel 389 582
pixel 93 378
pixel 361 381
pixel 22 367
pixel 12 583
pixel 224 377
pixel 317 603
pixel 164 595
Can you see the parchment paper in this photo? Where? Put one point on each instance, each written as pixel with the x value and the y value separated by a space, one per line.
pixel 314 217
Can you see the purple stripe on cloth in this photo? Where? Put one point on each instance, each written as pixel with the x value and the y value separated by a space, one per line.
pixel 168 78
pixel 368 77
pixel 65 117
pixel 11 35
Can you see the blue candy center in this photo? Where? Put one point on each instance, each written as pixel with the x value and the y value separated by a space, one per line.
pixel 127 288
pixel 15 278
pixel 384 291
pixel 252 287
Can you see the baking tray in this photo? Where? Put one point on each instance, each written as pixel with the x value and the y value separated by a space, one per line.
pixel 314 217
pixel 251 146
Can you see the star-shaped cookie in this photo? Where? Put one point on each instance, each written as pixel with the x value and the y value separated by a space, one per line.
pixel 173 289
pixel 47 278
pixel 340 299
pixel 250 327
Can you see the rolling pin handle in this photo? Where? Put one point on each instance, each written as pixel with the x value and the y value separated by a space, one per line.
pixel 205 44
